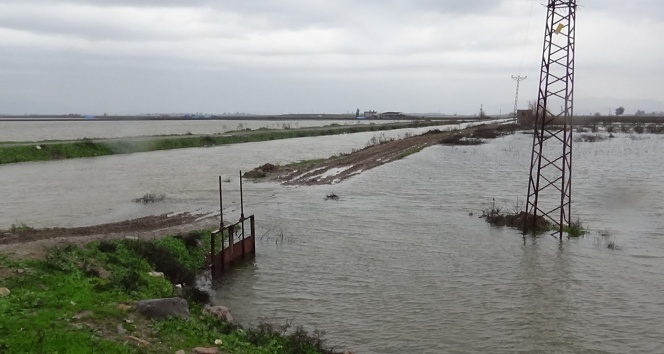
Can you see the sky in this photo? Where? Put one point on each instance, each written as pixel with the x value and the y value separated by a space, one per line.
pixel 316 56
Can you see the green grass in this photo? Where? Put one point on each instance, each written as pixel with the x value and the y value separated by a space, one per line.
pixel 411 151
pixel 20 226
pixel 68 303
pixel 575 229
pixel 92 148
pixel 310 162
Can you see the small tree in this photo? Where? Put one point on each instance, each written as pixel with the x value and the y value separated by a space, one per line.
pixel 620 110
pixel 640 113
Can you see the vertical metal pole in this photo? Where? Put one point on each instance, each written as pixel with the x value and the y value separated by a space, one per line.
pixel 253 235
pixel 241 205
pixel 221 210
pixel 212 255
pixel 231 244
pixel 241 198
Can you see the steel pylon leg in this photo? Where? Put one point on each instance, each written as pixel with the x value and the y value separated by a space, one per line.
pixel 550 183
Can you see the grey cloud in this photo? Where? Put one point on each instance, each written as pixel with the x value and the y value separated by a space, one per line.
pixel 276 56
pixel 632 10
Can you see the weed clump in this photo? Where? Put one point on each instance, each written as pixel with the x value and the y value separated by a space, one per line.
pixel 163 260
pixel 459 139
pixel 526 222
pixel 191 240
pixel 575 229
pixel 515 218
pixel 20 226
pixel 260 171
pixel 149 198
pixel 297 341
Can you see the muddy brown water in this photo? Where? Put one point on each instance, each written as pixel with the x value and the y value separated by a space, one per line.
pixel 398 265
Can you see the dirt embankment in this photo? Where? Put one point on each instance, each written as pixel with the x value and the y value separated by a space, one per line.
pixel 379 152
pixel 26 243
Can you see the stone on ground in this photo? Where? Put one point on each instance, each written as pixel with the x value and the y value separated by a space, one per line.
pixel 4 292
pixel 163 308
pixel 220 312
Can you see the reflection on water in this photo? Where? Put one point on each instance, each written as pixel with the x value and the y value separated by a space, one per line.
pixel 398 265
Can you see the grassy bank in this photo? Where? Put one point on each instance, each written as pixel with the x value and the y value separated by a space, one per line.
pixel 79 300
pixel 91 148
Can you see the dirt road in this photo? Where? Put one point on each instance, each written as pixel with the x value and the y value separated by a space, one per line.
pixel 339 168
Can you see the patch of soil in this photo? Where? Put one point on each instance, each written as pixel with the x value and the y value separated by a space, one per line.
pixel 6 273
pixel 32 243
pixel 335 170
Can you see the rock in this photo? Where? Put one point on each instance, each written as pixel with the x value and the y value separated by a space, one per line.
pixel 156 274
pixel 220 312
pixel 180 352
pixel 201 350
pixel 163 308
pixel 4 292
pixel 121 330
pixel 20 271
pixel 218 342
pixel 132 238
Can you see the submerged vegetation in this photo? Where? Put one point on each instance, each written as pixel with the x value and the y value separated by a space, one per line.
pixel 513 216
pixel 83 299
pixel 149 198
pixel 575 229
pixel 12 153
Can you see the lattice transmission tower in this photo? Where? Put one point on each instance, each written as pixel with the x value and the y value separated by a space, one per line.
pixel 518 80
pixel 550 183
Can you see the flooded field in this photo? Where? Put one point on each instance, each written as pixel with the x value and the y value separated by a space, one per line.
pixel 398 264
pixel 68 130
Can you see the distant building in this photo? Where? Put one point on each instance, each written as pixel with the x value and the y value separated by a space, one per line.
pixel 392 115
pixel 370 114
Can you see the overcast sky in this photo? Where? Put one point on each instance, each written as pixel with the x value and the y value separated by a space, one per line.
pixel 303 56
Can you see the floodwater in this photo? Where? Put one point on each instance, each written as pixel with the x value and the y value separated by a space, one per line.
pixel 398 265
pixel 72 130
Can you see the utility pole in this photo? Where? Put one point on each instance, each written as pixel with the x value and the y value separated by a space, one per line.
pixel 550 184
pixel 518 80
